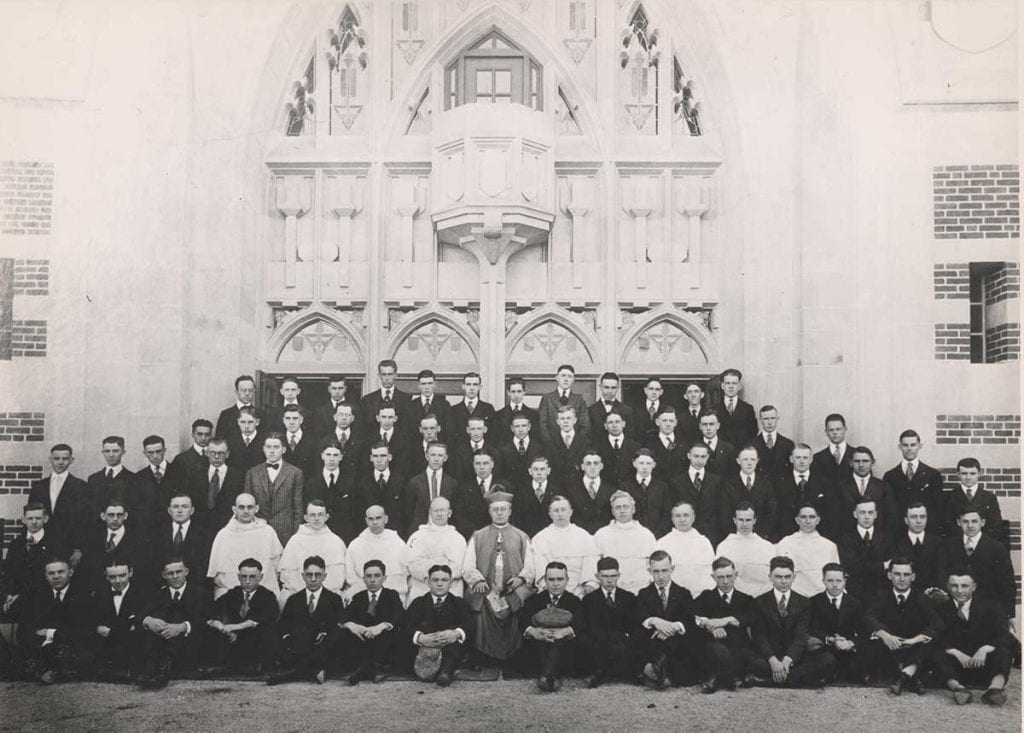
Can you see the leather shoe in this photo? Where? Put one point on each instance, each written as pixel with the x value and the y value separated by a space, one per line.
pixel 752 681
pixel 594 680
pixel 443 679
pixel 276 678
pixel 354 676
pixel 914 684
pixel 896 688
pixel 994 696
pixel 380 674
pixel 709 686
pixel 321 676
pixel 546 682
pixel 48 677
pixel 962 696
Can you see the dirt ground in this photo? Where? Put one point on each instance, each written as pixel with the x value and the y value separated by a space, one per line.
pixel 471 706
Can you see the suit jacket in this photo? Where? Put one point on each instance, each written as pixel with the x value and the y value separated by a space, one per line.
pixel 723 459
pixel 148 498
pixel 133 547
pixel 103 490
pixel 389 609
pixel 740 427
pixel 597 413
pixel 774 636
pixel 242 456
pixel 501 425
pixel 926 487
pixel 548 409
pixel 565 462
pixel 515 465
pixel 263 607
pixel 323 418
pixel 679 608
pixel 653 504
pixel 845 498
pixel 405 449
pixel 992 568
pixel 669 463
pixel 591 514
pixel 917 617
pixel 986 624
pixel 296 621
pixel 688 428
pixel 441 409
pixel 41 611
pixel 305 455
pixel 865 563
pixel 185 467
pixel 617 466
pixel 345 520
pixel 195 549
pixel 789 497
pixel 529 513
pixel 709 604
pixel 275 419
pixel 370 404
pixel 280 502
pixel 824 465
pixel 227 424
pixel 707 503
pixel 453 614
pixel 460 417
pixel 368 493
pixel 417 498
pixel 73 513
pixel 123 624
pixel 469 508
pixel 539 601
pixel 230 488
pixel 927 558
pixel 774 462
pixel 847 623
pixel 194 606
pixel 761 495
pixel 460 459
pixel 24 564
pixel 984 501
pixel 601 625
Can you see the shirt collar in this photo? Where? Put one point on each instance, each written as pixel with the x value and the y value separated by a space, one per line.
pixel 913 463
pixel 313 594
pixel 197 449
pixel 971 541
pixel 116 469
pixel 328 472
pixel 778 595
pixel 862 531
pixel 897 593
pixel 385 474
pixel 297 434
pixel 118 533
pixel 171 591
pixel 221 470
pixel 694 472
pixel 711 442
pixel 36 536
pixel 184 526
pixel 239 405
pixel 570 435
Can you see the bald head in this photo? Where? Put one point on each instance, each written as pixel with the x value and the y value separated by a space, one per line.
pixel 376 519
pixel 245 508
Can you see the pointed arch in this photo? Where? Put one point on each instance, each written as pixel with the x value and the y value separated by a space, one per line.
pixel 559 317
pixel 443 317
pixel 686 322
pixel 312 315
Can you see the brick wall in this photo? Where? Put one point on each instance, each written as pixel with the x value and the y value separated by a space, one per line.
pixel 31 277
pixel 1002 343
pixel 20 427
pixel 952 341
pixel 18 479
pixel 977 429
pixel 1000 481
pixel 26 196
pixel 1014 538
pixel 976 202
pixel 952 280
pixel 1002 283
pixel 29 338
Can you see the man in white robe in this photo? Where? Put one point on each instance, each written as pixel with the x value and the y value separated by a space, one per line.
pixel 564 542
pixel 627 541
pixel 691 551
pixel 313 538
pixel 809 551
pixel 377 542
pixel 750 552
pixel 244 536
pixel 435 543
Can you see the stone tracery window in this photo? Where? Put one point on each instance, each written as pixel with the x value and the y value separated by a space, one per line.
pixel 640 59
pixel 494 71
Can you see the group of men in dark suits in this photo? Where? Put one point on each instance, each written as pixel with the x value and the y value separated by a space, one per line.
pixel 401 452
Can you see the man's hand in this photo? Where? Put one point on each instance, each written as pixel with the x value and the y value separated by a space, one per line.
pixel 978 660
pixel 76 557
pixel 843 645
pixel 915 640
pixel 537 634
pixel 779 671
pixel 374 631
pixel 42 632
pixel 170 631
pixel 481 586
pixel 153 624
pixel 447 637
pixel 719 633
pixel 964 659
pixel 8 602
pixel 892 643
pixel 103 631
pixel 513 583
pixel 664 628
pixel 559 634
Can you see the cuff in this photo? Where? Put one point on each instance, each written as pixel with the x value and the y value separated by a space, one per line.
pixel 188 628
pixel 462 635
pixel 416 637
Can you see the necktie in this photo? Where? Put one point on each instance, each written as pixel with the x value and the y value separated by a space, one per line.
pixel 522 447
pixel 384 437
pixel 835 604
pixel 382 485
pixel 30 540
pixel 910 472
pixel 176 596
pixel 567 440
pixel 970 494
pixel 837 455
pixel 426 405
pixel 616 445
pixel 273 466
pixel 867 538
pixel 434 493
pixel 553 602
pixel 387 397
pixel 438 600
pixel 470 406
pixel 342 439
pixel 591 489
pixel 538 490
pixel 110 542
pixel 664 599
pixel 292 442
pixel 371 607
pixel 564 399
pixel 670 444
pixel 802 483
pixel 158 474
pixel 749 482
pixel 651 409
pixel 697 481
pixel 725 598
pixel 732 404
pixel 770 440
pixel 117 593
pixel 331 481
pixel 693 414
pixel 863 485
pixel 610 600
pixel 483 487
pixel 969 549
pixel 900 601
pixel 58 595
pixel 179 539
pixel 312 604
pixel 244 610
pixel 960 606
pixel 211 494
pixel 643 485
pixel 782 606
pixel 110 474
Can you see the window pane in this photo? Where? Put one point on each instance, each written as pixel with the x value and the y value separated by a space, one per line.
pixel 483 82
pixel 503 82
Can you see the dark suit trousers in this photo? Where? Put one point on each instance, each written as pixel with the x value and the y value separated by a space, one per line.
pixel 615 657
pixel 727 662
pixel 66 659
pixel 117 656
pixel 550 658
pixel 306 655
pixel 357 652
pixel 180 653
pixel 252 647
pixel 813 670
pixel 881 662
pixel 679 652
pixel 998 661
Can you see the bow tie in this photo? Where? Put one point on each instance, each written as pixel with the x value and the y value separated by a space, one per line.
pixel 117 593
pixel 274 466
